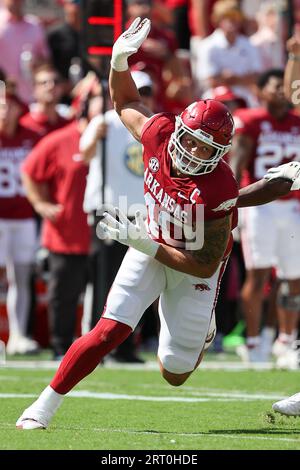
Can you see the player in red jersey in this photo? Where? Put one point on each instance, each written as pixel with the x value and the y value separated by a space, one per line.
pixel 184 172
pixel 265 137
pixel 17 225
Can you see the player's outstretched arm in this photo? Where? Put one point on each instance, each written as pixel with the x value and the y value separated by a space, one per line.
pixel 262 192
pixel 124 94
pixel 277 182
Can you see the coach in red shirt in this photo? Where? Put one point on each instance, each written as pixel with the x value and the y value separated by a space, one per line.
pixel 54 176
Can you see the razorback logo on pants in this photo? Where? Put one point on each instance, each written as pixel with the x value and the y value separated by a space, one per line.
pixel 202 287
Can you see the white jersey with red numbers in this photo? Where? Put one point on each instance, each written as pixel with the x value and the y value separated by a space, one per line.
pixel 186 303
pixel 270 233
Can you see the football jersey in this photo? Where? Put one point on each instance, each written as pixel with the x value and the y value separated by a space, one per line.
pixel 175 199
pixel 13 150
pixel 274 142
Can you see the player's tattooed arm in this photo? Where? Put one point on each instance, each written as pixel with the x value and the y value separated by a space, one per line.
pixel 201 263
pixel 216 236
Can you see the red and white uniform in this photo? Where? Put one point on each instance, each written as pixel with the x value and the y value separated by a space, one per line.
pixel 271 232
pixel 187 302
pixel 17 227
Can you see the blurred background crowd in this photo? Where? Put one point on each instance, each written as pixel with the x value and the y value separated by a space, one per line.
pixel 64 153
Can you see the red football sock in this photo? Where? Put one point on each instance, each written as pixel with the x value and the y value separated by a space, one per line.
pixel 86 352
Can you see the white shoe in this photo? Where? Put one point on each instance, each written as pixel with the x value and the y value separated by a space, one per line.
pixel 290 360
pixel 279 348
pixel 289 406
pixel 250 355
pixel 34 418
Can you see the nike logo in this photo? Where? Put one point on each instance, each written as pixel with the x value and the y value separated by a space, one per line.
pixel 182 196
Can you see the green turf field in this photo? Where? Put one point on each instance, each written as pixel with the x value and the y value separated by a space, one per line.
pixel 119 408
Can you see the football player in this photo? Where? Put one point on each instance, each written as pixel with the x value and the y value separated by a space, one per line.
pixel 269 136
pixel 184 171
pixel 17 223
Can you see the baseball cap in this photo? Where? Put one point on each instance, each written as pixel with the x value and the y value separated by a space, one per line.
pixel 223 94
pixel 141 79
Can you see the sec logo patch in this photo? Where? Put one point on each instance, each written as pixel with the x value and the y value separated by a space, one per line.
pixel 154 164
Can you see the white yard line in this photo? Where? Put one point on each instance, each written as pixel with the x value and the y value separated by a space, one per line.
pixel 215 397
pixel 148 366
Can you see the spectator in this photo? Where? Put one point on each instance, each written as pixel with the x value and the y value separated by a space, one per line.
pixel 43 116
pixel 226 96
pixel 23 45
pixel 54 175
pixel 17 225
pixel 157 56
pixel 268 38
pixel 265 137
pixel 227 57
pixel 64 42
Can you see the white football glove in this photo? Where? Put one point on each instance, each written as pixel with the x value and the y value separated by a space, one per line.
pixel 128 43
pixel 289 171
pixel 124 231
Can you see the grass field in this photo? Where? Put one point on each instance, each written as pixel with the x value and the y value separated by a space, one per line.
pixel 123 408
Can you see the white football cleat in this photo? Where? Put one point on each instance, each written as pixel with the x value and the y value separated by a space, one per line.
pixel 34 418
pixel 289 406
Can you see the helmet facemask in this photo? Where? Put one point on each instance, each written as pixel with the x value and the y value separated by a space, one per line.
pixel 187 163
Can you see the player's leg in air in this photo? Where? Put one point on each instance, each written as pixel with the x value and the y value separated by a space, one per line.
pixel 138 283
